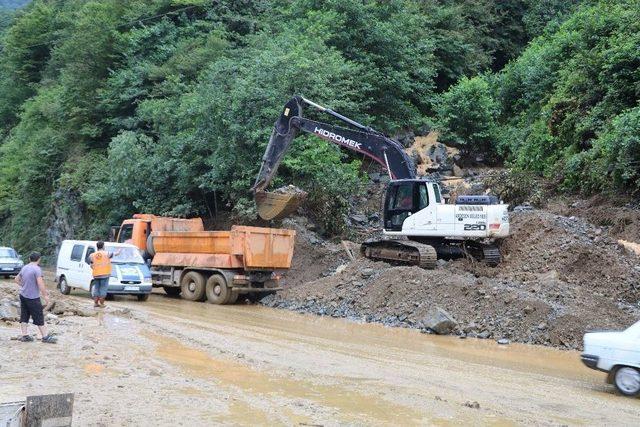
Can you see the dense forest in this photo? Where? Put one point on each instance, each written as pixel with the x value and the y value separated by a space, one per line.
pixel 112 107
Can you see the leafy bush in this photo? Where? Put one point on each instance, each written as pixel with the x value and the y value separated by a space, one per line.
pixel 467 117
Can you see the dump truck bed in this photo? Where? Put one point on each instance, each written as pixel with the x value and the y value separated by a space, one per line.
pixel 243 247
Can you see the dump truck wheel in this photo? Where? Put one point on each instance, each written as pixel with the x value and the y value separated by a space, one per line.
pixel 233 297
pixel 192 286
pixel 172 290
pixel 217 290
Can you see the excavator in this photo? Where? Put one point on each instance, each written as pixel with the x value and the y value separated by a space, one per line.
pixel 418 225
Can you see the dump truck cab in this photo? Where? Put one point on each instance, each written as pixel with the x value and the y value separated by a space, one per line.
pixel 137 230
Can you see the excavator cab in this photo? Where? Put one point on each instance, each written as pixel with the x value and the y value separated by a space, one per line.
pixel 403 199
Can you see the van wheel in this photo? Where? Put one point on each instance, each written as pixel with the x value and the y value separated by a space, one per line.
pixel 192 286
pixel 64 287
pixel 627 381
pixel 172 290
pixel 217 290
pixel 143 297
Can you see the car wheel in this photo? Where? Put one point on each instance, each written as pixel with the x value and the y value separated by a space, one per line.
pixel 64 286
pixel 192 286
pixel 143 297
pixel 627 381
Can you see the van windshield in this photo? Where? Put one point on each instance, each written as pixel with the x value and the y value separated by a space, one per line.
pixel 124 254
pixel 8 253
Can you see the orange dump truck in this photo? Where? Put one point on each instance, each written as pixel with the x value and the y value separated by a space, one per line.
pixel 214 265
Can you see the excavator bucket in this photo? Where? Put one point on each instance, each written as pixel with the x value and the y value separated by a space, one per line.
pixel 278 205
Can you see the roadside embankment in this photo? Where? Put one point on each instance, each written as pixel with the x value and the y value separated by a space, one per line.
pixel 560 277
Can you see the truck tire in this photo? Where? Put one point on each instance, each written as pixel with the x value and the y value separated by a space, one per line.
pixel 627 380
pixel 217 290
pixel 172 290
pixel 192 286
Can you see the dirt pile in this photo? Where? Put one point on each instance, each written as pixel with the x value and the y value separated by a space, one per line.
pixel 314 257
pixel 561 276
pixel 59 305
pixel 619 217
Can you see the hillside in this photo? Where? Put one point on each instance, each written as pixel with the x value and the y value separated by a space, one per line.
pixel 108 108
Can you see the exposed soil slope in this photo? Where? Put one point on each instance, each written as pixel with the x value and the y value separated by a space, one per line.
pixel 561 276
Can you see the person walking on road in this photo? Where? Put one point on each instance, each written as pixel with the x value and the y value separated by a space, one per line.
pixel 101 268
pixel 32 286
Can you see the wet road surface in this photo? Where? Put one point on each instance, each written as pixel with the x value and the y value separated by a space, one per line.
pixel 173 362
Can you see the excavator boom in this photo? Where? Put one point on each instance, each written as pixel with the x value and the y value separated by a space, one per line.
pixel 363 139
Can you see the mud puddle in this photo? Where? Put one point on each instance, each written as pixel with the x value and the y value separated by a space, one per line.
pixel 310 329
pixel 351 406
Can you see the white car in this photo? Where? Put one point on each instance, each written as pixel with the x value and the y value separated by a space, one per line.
pixel 10 262
pixel 618 354
pixel 129 274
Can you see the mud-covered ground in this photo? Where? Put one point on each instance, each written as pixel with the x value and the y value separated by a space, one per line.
pixel 561 276
pixel 172 362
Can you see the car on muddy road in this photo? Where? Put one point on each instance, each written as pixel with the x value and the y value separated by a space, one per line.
pixel 618 354
pixel 130 275
pixel 10 262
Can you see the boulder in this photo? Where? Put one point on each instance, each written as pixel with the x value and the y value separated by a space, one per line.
pixel 439 321
pixel 8 311
pixel 359 218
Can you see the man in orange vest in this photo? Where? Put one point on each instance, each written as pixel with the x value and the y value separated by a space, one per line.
pixel 101 268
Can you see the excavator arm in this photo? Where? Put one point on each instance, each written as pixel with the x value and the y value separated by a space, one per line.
pixel 362 139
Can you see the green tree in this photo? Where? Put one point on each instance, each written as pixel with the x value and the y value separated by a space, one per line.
pixel 466 117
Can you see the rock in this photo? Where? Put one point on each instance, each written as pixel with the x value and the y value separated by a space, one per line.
pixel 484 334
pixel 439 321
pixel 523 208
pixel 542 326
pixel 441 262
pixel 457 171
pixel 474 404
pixel 359 218
pixel 341 268
pixel 503 341
pixel 528 309
pixel 8 312
pixel 367 272
pixel 50 316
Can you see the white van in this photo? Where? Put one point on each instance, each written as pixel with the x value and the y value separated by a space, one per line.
pixel 129 275
pixel 618 354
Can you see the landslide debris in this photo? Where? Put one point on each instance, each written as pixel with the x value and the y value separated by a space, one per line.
pixel 561 276
pixel 59 305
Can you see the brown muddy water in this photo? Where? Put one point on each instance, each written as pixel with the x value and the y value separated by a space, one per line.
pixel 199 364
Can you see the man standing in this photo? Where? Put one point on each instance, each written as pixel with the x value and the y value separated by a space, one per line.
pixel 101 267
pixel 31 286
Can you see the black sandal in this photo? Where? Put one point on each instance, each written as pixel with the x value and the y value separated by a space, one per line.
pixel 49 339
pixel 26 338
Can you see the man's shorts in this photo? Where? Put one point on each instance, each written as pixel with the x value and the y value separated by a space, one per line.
pixel 100 287
pixel 31 308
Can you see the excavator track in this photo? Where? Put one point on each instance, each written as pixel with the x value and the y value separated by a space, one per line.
pixel 491 255
pixel 401 251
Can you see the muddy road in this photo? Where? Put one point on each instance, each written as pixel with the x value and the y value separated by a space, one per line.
pixel 173 362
